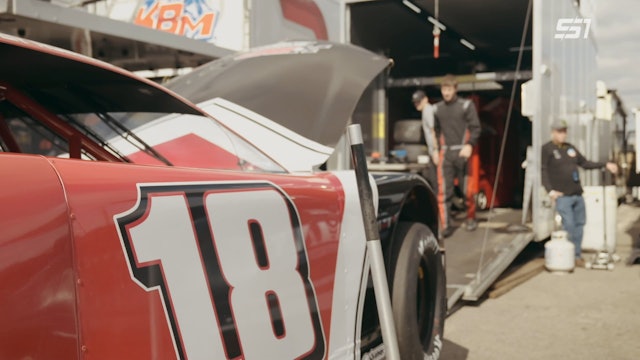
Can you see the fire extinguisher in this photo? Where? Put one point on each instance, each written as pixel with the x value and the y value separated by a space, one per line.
pixel 436 42
pixel 436 30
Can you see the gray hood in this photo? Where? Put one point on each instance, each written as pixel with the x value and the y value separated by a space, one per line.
pixel 309 87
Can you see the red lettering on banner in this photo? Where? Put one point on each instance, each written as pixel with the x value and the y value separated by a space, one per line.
pixel 305 13
pixel 146 19
pixel 169 17
pixel 205 24
pixel 172 18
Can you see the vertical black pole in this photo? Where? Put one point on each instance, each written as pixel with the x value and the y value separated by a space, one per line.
pixel 378 273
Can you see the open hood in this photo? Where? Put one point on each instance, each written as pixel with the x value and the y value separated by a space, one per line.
pixel 309 87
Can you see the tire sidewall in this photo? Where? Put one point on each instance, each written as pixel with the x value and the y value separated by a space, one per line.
pixel 416 246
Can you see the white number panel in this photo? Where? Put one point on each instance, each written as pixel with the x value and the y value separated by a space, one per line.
pixel 230 264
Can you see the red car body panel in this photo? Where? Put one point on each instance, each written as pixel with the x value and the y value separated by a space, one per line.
pixel 117 318
pixel 38 294
pixel 192 151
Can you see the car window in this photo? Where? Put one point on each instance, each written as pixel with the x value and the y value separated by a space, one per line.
pixel 33 138
pixel 30 135
pixel 141 137
pixel 251 159
pixel 187 140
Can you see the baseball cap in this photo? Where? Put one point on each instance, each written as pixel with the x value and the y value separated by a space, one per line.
pixel 417 96
pixel 559 124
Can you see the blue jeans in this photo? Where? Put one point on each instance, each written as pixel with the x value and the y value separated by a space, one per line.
pixel 572 210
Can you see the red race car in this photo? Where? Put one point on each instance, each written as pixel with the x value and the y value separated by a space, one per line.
pixel 129 234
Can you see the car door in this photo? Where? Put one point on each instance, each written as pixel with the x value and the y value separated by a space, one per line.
pixel 186 263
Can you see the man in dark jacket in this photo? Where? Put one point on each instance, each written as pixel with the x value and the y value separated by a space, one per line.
pixel 458 130
pixel 560 177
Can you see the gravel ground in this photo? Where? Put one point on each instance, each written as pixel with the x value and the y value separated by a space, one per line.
pixel 588 314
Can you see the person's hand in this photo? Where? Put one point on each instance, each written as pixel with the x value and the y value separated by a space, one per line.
pixel 612 167
pixel 555 194
pixel 466 151
pixel 435 158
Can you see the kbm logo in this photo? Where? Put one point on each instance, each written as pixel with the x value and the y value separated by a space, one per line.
pixel 568 28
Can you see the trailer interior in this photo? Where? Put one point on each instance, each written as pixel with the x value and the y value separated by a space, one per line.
pixel 481 45
pixel 486 73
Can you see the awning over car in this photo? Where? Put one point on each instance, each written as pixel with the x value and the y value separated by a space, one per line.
pixel 55 74
pixel 127 45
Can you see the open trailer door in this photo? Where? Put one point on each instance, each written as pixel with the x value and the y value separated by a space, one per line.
pixel 480 43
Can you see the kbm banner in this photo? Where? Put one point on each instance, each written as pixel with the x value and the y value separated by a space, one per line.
pixel 216 21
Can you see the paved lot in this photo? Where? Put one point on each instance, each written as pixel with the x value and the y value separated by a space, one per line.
pixel 589 314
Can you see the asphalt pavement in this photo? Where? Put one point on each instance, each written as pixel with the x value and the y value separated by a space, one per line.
pixel 587 314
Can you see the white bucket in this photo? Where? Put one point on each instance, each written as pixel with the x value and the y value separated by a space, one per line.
pixel 559 253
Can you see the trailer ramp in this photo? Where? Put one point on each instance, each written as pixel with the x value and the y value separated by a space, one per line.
pixel 473 265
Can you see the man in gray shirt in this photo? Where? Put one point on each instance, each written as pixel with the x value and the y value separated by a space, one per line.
pixel 421 102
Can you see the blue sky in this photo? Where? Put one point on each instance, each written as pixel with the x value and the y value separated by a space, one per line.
pixel 618 41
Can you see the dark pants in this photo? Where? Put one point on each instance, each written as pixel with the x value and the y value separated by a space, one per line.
pixel 572 210
pixel 452 167
pixel 431 175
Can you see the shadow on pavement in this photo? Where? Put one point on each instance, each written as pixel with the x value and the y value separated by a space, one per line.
pixel 453 351
pixel 634 233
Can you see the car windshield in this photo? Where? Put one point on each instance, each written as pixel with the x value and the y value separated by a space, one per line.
pixel 41 123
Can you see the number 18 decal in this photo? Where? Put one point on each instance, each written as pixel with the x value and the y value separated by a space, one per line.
pixel 230 263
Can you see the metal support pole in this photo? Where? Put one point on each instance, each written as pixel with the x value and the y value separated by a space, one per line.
pixel 379 130
pixel 378 273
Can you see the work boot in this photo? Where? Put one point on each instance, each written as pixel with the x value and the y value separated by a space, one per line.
pixel 471 225
pixel 579 262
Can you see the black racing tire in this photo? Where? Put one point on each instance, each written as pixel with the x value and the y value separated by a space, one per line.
pixel 418 295
pixel 408 131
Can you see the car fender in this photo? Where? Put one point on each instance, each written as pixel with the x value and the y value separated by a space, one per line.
pixel 37 277
pixel 129 310
pixel 404 197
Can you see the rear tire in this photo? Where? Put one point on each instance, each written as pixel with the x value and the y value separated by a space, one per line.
pixel 418 291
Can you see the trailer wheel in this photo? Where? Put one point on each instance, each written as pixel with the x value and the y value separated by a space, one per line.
pixel 418 292
pixel 482 202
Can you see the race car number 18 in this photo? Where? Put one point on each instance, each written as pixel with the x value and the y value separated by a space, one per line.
pixel 230 263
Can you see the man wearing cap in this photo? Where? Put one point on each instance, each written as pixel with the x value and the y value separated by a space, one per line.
pixel 421 102
pixel 560 177
pixel 458 129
